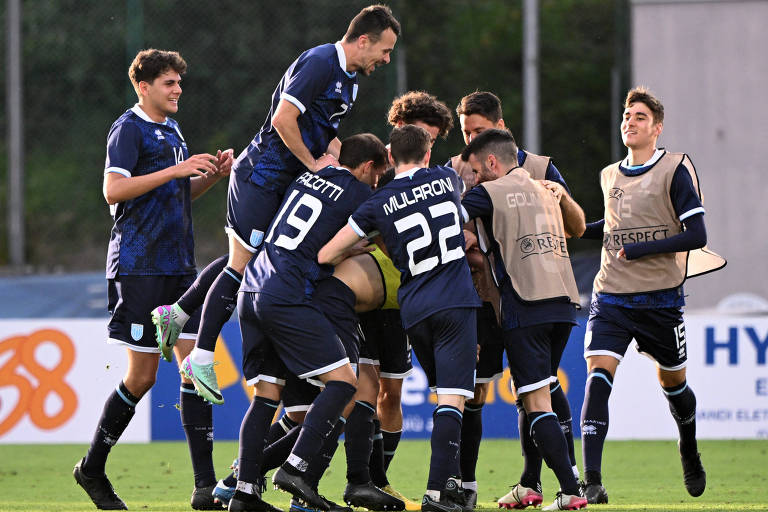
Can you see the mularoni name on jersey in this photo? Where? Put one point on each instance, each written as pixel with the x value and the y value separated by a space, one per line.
pixel 615 239
pixel 433 188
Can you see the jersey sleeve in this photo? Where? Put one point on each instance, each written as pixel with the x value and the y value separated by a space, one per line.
pixel 363 220
pixel 477 203
pixel 308 79
pixel 123 146
pixel 553 174
pixel 685 199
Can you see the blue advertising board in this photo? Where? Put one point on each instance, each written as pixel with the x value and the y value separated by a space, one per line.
pixel 499 413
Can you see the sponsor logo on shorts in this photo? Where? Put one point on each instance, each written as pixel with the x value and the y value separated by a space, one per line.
pixel 137 331
pixel 587 430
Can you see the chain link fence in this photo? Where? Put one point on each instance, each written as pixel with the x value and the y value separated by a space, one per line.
pixel 75 58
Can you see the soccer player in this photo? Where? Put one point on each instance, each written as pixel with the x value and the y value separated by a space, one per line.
pixel 653 217
pixel 149 183
pixel 418 215
pixel 315 93
pixel 478 112
pixel 386 344
pixel 525 237
pixel 281 326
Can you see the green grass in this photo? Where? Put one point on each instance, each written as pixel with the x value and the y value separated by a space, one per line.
pixel 638 475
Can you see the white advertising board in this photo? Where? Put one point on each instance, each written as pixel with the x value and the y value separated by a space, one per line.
pixel 726 369
pixel 55 375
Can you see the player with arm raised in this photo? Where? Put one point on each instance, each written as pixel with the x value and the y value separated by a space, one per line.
pixel 418 215
pixel 521 229
pixel 149 183
pixel 478 112
pixel 315 93
pixel 282 328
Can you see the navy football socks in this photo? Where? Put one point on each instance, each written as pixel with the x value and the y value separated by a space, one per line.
pixel 682 405
pixel 322 460
pixel 376 463
pixel 562 408
pixel 252 432
pixel 390 441
pixel 194 297
pixel 549 439
pixel 218 307
pixel 471 435
pixel 446 436
pixel 278 429
pixel 321 418
pixel 197 420
pixel 358 442
pixel 276 453
pixel 531 475
pixel 117 413
pixel 594 422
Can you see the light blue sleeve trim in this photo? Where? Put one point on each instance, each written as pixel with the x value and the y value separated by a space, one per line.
pixel 118 170
pixel 691 213
pixel 356 228
pixel 233 276
pixel 290 99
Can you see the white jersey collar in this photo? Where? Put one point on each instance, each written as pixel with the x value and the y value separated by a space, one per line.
pixel 655 158
pixel 342 58
pixel 136 109
pixel 407 174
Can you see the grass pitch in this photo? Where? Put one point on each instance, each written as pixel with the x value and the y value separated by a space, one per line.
pixel 639 475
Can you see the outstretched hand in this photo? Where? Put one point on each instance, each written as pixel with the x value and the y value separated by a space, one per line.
pixel 196 165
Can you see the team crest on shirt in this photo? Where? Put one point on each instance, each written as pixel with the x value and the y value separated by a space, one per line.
pixel 338 87
pixel 256 237
pixel 137 331
pixel 160 135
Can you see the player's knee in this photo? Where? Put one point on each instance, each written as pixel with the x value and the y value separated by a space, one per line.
pixel 481 393
pixel 296 416
pixel 139 385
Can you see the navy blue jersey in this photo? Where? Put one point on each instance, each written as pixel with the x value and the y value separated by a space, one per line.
pixel 152 234
pixel 515 312
pixel 686 202
pixel 419 216
pixel 318 84
pixel 315 207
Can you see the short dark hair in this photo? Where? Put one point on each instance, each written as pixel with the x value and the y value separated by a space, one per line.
pixel 498 142
pixel 372 21
pixel 361 148
pixel 151 63
pixel 641 94
pixel 483 103
pixel 421 106
pixel 409 144
pixel 385 178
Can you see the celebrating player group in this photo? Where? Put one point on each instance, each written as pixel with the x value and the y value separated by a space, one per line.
pixel 345 255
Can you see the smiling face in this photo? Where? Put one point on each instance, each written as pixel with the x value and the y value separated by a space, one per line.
pixel 639 130
pixel 160 98
pixel 373 55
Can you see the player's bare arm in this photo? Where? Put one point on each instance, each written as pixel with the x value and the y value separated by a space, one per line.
pixel 200 184
pixel 573 216
pixel 341 246
pixel 118 188
pixel 285 121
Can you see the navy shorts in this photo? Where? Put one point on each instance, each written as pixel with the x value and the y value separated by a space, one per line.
pixel 385 343
pixel 534 354
pixel 660 333
pixel 131 302
pixel 299 334
pixel 446 345
pixel 337 302
pixel 250 210
pixel 297 395
pixel 490 362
